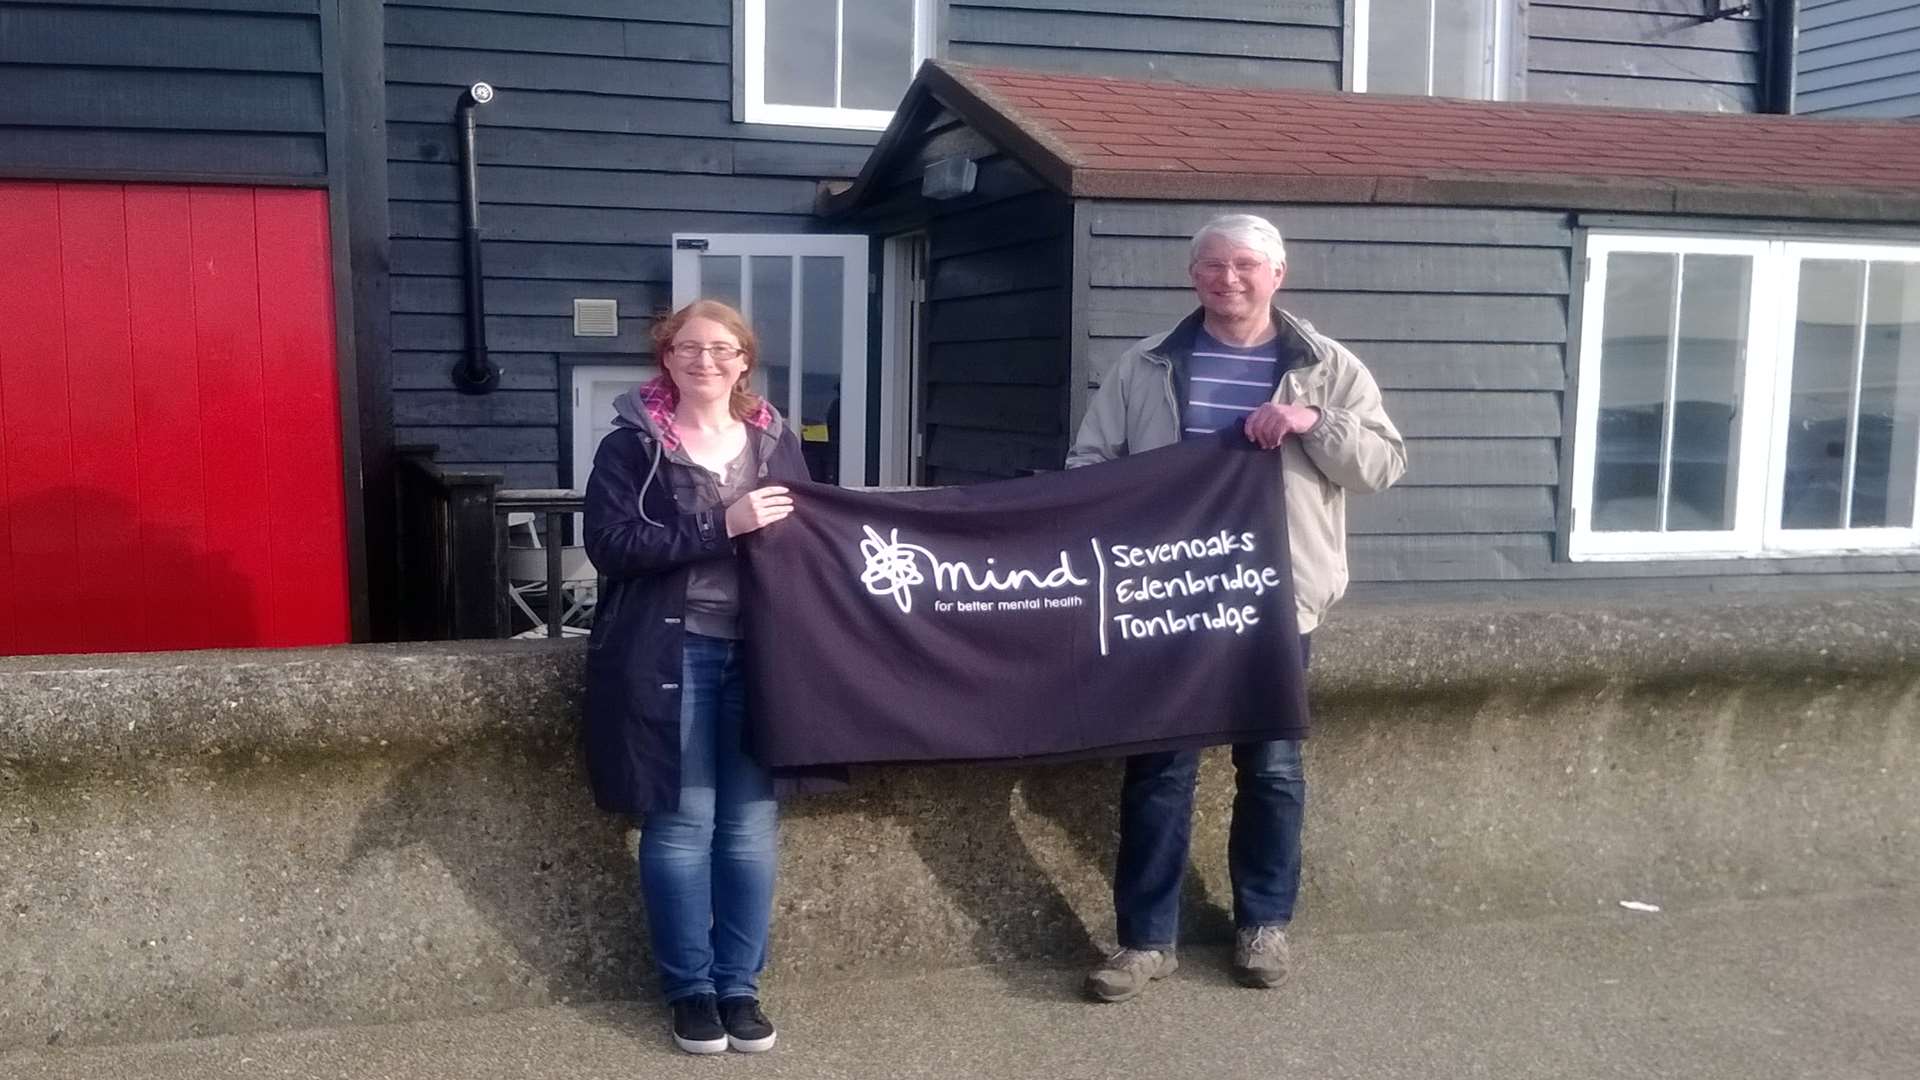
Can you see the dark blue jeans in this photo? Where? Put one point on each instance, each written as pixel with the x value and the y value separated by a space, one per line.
pixel 1156 828
pixel 707 868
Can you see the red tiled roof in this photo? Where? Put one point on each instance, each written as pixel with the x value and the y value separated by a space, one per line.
pixel 1132 138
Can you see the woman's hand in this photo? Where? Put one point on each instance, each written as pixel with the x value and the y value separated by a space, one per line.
pixel 757 509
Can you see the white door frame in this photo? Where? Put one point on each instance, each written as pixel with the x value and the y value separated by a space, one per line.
pixel 689 247
pixel 903 297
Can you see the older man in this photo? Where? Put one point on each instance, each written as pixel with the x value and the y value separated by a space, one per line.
pixel 1238 359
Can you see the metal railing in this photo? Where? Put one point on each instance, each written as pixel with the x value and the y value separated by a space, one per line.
pixel 456 554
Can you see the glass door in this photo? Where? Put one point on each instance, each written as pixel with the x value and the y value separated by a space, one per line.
pixel 806 298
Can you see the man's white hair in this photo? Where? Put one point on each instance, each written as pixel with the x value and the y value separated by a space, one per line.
pixel 1243 230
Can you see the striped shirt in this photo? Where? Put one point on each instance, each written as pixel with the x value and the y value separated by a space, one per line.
pixel 1226 382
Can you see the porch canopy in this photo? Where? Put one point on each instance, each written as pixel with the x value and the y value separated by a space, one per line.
pixel 1096 137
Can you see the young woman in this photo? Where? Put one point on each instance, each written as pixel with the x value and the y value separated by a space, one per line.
pixel 695 463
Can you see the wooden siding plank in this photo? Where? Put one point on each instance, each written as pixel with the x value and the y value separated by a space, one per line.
pixel 510 296
pixel 502 408
pixel 1842 53
pixel 550 261
pixel 104 574
pixel 1855 29
pixel 171 100
pixel 565 149
pixel 817 161
pixel 1893 108
pixel 1295 12
pixel 306 497
pixel 1674 28
pixel 166 385
pixel 1814 16
pixel 1641 93
pixel 518 333
pixel 1471 413
pixel 1031 362
pixel 1879 69
pixel 414 370
pixel 1430 510
pixel 1037 314
pixel 1136 313
pixel 226 295
pixel 1001 453
pixel 1387 224
pixel 76 152
pixel 511 71
pixel 1862 93
pixel 1041 215
pixel 700 12
pixel 460 445
pixel 1642 62
pixel 1219 71
pixel 1195 35
pixel 998 270
pixel 1132 262
pixel 1031 410
pixel 268 7
pixel 1482 462
pixel 586 225
pixel 573 37
pixel 412 180
pixel 69 35
pixel 35 431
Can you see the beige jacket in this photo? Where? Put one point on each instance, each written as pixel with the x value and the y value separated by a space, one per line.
pixel 1353 447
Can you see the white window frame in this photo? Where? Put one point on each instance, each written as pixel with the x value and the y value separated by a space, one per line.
pixel 689 247
pixel 755 109
pixel 1498 62
pixel 1763 408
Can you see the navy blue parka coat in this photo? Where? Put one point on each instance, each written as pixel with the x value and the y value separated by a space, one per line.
pixel 650 516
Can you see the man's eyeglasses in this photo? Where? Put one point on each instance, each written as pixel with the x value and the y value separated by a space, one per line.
pixel 1217 267
pixel 719 350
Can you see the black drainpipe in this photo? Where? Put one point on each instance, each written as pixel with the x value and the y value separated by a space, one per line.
pixel 474 373
pixel 1783 31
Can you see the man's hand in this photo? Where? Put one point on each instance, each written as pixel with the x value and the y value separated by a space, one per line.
pixel 1271 422
pixel 758 508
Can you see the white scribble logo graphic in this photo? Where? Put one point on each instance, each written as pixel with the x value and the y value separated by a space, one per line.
pixel 890 569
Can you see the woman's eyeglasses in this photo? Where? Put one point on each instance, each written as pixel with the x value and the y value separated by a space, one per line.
pixel 719 350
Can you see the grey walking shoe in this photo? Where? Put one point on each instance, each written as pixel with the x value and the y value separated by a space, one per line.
pixel 1127 972
pixel 1260 956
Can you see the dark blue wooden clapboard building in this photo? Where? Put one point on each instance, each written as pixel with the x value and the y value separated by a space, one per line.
pixel 937 303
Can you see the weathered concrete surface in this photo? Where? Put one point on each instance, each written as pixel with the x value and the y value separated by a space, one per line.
pixel 207 843
pixel 1822 989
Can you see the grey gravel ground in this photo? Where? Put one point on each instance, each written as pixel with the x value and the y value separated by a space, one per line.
pixel 1790 987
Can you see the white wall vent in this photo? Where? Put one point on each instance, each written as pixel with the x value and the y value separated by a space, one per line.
pixel 596 318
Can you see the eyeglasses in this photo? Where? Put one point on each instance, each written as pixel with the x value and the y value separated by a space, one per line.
pixel 1217 267
pixel 719 350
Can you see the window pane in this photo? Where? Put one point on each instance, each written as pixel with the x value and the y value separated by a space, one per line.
pixel 773 322
pixel 823 301
pixel 1701 480
pixel 1883 471
pixel 1462 46
pixel 720 278
pixel 801 53
pixel 1397 47
pixel 1635 332
pixel 1823 340
pixel 878 61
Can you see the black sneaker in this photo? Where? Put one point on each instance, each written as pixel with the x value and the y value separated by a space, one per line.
pixel 748 1029
pixel 696 1025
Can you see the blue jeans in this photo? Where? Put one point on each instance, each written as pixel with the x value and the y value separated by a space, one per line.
pixel 1156 828
pixel 706 869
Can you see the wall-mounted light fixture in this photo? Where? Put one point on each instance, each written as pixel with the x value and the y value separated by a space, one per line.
pixel 949 178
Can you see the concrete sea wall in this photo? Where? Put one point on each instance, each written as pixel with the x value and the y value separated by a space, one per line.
pixel 211 842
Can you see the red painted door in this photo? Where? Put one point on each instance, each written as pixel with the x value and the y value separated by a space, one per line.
pixel 170 464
